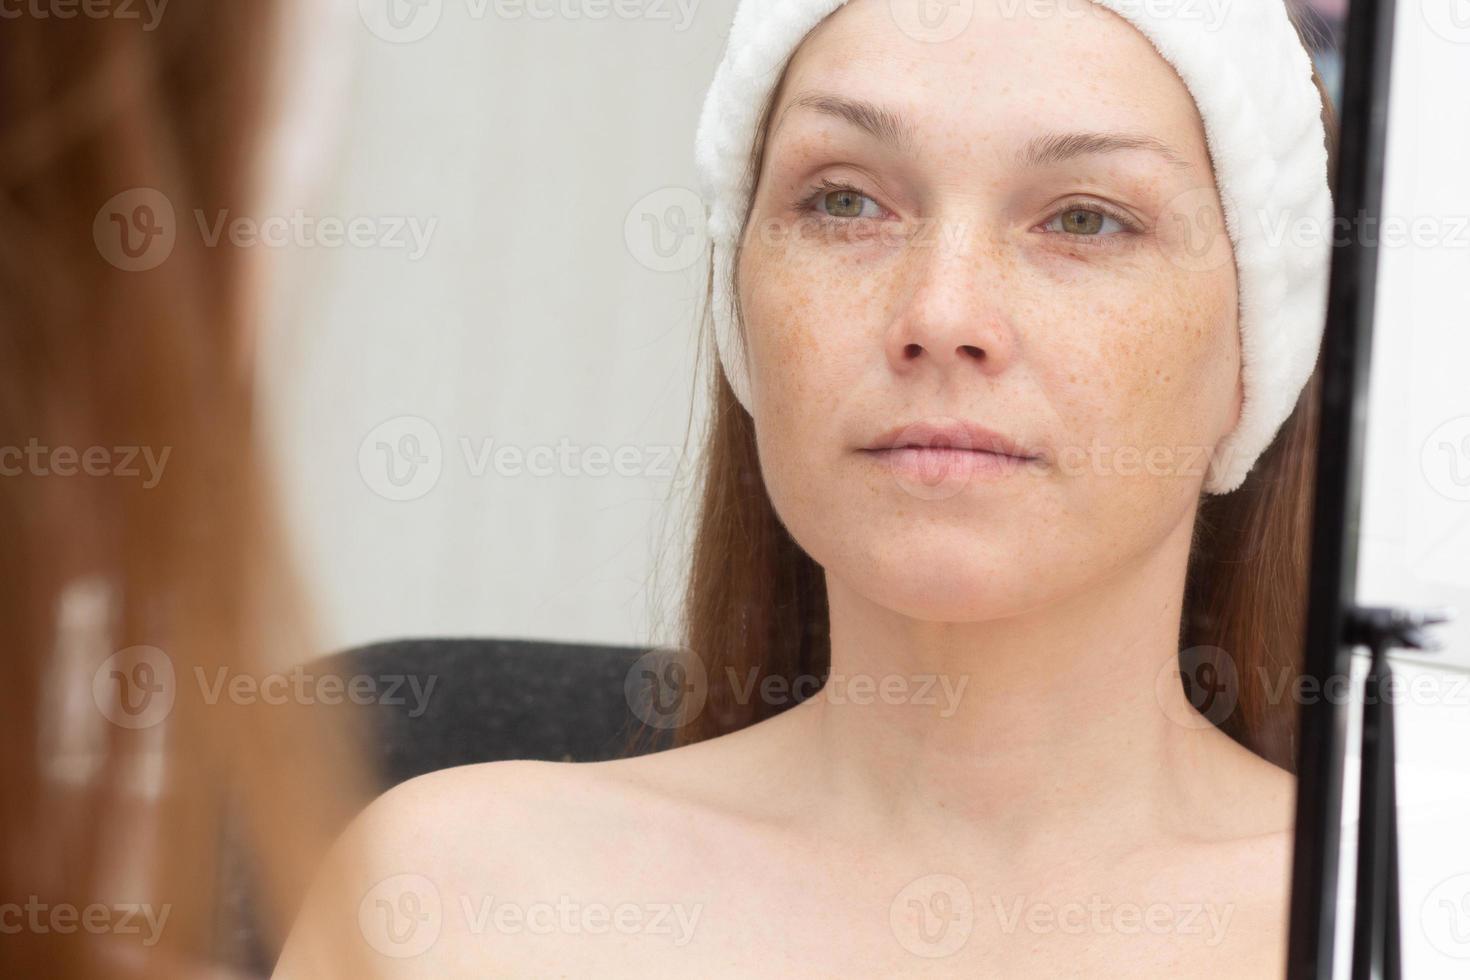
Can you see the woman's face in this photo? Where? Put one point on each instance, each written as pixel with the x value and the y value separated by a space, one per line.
pixel 993 262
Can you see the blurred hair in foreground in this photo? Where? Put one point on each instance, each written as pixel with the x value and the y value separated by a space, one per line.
pixel 98 817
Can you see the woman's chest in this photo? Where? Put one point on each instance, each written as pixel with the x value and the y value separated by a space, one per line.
pixel 790 917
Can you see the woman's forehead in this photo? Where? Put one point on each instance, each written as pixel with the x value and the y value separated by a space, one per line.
pixel 1012 74
pixel 1026 143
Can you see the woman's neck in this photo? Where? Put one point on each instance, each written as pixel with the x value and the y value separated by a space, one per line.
pixel 1064 716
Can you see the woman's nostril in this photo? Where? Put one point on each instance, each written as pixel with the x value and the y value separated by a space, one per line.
pixel 911 351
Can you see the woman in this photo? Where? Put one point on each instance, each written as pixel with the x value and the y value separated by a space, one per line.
pixel 1002 775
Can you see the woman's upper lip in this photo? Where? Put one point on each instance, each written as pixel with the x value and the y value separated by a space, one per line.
pixel 950 434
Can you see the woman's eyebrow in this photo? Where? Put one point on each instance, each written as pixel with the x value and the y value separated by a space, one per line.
pixel 890 128
pixel 884 125
pixel 1049 148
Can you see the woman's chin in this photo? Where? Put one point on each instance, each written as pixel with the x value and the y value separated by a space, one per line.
pixel 942 588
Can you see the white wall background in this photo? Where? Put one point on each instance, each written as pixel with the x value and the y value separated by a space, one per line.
pixel 531 320
pixel 556 303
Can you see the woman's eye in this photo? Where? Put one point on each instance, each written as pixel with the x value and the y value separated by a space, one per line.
pixel 1087 222
pixel 847 202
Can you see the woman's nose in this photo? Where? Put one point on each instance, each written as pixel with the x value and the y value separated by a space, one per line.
pixel 953 318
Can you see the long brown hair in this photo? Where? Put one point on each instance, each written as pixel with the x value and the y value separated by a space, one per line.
pixel 756 604
pixel 103 362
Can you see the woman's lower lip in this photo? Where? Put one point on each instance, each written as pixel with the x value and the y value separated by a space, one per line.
pixel 931 465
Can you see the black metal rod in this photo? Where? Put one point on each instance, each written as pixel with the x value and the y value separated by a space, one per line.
pixel 1392 948
pixel 1393 968
pixel 1368 906
pixel 1346 352
pixel 1375 930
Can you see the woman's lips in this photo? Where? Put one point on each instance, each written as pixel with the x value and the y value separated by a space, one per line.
pixel 946 450
pixel 932 464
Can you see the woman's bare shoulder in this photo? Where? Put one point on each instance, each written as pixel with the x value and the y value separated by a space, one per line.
pixel 510 821
pixel 710 780
pixel 420 881
pixel 469 840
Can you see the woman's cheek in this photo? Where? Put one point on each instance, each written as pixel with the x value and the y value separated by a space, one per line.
pixel 809 315
pixel 1170 388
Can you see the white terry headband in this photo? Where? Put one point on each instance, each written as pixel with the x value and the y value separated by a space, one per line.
pixel 1251 79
